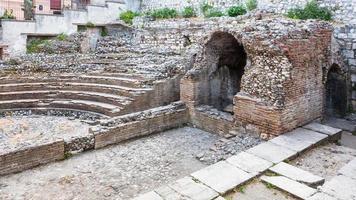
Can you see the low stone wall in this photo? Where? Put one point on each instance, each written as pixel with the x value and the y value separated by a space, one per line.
pixel 212 121
pixel 152 121
pixel 30 157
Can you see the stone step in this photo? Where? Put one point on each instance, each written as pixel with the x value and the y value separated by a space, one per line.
pixel 341 124
pixel 67 94
pixel 297 174
pixel 293 187
pixel 52 111
pixel 272 152
pixel 126 82
pixel 91 106
pixel 320 128
pixel 74 86
pixel 222 176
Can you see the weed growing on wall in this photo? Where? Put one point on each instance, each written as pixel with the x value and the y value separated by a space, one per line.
pixel 210 11
pixel 164 13
pixel 62 37
pixel 189 12
pixel 311 11
pixel 35 45
pixel 251 4
pixel 236 10
pixel 128 16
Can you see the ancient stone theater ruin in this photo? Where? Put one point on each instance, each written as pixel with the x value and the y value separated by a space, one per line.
pixel 178 100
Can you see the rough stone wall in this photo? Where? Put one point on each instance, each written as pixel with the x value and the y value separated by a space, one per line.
pixel 343 9
pixel 283 87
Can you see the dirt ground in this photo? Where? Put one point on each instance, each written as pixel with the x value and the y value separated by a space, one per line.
pixel 325 160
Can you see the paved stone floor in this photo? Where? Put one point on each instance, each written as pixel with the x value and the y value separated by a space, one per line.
pixel 21 131
pixel 118 172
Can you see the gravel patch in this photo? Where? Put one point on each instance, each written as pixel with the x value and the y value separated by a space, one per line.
pixel 21 131
pixel 225 148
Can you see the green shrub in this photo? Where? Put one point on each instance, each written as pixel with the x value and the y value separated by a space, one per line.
pixel 205 7
pixel 251 4
pixel 213 13
pixel 62 37
pixel 164 13
pixel 209 11
pixel 104 32
pixel 236 10
pixel 189 12
pixel 8 14
pixel 90 25
pixel 35 45
pixel 311 11
pixel 128 16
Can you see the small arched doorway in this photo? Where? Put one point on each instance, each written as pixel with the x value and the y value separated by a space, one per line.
pixel 226 59
pixel 336 93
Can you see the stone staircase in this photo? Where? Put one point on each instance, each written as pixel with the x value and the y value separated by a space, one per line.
pixel 107 83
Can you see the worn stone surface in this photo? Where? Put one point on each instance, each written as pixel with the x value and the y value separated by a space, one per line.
pixel 297 174
pixel 249 163
pixel 341 124
pixel 341 187
pixel 321 196
pixel 187 187
pixel 272 152
pixel 221 176
pixel 168 193
pixel 349 169
pixel 322 128
pixel 149 196
pixel 300 190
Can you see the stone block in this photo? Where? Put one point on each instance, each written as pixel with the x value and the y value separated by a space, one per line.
pixel 297 174
pixel 302 134
pixel 341 187
pixel 168 193
pixel 341 123
pixel 249 163
pixel 187 187
pixel 293 187
pixel 149 196
pixel 320 128
pixel 272 152
pixel 292 143
pixel 222 176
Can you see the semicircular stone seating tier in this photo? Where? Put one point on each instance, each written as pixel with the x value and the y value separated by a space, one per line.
pixel 106 94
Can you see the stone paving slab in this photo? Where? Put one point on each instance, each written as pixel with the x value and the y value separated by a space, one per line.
pixel 168 193
pixel 292 143
pixel 302 134
pixel 196 191
pixel 341 187
pixel 220 198
pixel 149 196
pixel 249 163
pixel 328 130
pixel 349 170
pixel 272 152
pixel 297 174
pixel 222 176
pixel 293 187
pixel 341 124
pixel 321 196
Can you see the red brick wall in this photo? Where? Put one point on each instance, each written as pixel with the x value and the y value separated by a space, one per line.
pixel 24 159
